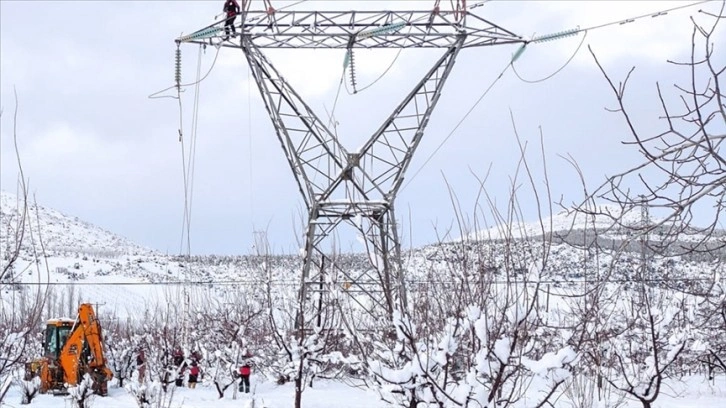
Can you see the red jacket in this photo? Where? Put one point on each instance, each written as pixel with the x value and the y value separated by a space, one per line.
pixel 194 370
pixel 244 370
pixel 231 7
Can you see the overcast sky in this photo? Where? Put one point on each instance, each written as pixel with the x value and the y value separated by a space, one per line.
pixel 95 146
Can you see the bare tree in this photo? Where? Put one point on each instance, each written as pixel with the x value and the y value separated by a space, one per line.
pixel 683 178
pixel 19 315
pixel 684 169
pixel 477 337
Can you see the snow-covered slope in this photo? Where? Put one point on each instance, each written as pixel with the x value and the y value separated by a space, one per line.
pixel 602 218
pixel 60 249
pixel 59 233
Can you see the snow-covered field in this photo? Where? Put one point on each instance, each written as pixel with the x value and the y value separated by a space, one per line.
pixel 264 395
pixel 693 392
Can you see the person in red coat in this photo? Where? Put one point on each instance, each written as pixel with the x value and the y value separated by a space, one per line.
pixel 244 375
pixel 193 375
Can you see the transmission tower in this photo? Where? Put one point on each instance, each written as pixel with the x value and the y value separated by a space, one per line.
pixel 340 186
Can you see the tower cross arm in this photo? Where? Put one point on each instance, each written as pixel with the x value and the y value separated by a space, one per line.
pixel 368 29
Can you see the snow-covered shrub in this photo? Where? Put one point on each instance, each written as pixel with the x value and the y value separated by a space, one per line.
pixel 82 395
pixel 582 391
pixel 475 360
pixel 122 347
pixel 150 394
pixel 651 335
pixel 29 389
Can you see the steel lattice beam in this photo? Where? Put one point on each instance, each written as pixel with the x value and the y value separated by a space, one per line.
pixel 308 144
pixel 357 29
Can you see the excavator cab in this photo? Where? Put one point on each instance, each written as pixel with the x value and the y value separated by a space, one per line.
pixel 56 335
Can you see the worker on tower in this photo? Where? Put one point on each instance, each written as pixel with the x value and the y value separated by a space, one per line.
pixel 231 8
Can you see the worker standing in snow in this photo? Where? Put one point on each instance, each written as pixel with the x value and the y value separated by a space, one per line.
pixel 180 366
pixel 231 9
pixel 193 375
pixel 244 377
pixel 141 365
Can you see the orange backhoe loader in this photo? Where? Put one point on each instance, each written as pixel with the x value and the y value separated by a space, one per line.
pixel 71 349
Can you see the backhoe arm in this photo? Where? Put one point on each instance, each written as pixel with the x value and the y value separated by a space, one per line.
pixel 92 331
pixel 83 351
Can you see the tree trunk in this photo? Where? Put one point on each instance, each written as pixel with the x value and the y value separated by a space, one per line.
pixel 298 389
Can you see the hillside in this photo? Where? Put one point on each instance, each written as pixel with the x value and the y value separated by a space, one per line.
pixel 113 269
pixel 60 233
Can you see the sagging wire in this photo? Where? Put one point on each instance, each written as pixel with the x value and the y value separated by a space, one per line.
pixel 188 162
pixel 188 158
pixel 652 15
pixel 385 29
pixel 530 81
pixel 331 119
pixel 349 60
pixel 568 33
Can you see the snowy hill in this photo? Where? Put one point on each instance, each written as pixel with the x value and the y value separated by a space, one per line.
pixel 71 250
pixel 60 233
pixel 562 222
pixel 605 225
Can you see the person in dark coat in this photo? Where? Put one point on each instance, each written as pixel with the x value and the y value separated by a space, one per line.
pixel 180 365
pixel 141 365
pixel 231 8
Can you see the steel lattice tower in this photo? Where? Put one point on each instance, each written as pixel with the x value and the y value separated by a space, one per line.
pixel 352 187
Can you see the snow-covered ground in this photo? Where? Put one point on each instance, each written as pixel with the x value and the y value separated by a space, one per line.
pixel 693 392
pixel 325 394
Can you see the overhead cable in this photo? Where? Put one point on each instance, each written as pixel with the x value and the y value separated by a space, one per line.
pixel 466 115
pixel 293 282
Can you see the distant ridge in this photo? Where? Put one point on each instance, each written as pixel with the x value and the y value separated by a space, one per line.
pixel 562 222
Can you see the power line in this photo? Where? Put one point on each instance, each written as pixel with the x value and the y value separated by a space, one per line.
pixel 535 81
pixel 413 281
pixel 541 39
pixel 632 19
